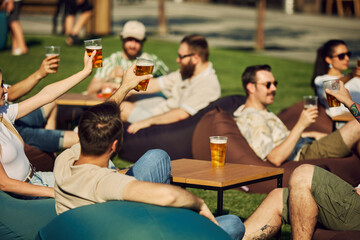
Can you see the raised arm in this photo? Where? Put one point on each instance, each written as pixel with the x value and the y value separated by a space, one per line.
pixel 130 80
pixel 22 188
pixel 55 90
pixel 166 195
pixel 21 88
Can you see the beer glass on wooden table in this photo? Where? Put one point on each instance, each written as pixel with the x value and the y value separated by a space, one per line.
pixel 218 148
pixel 91 45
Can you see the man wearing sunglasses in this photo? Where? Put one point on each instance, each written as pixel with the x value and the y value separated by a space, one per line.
pixel 269 137
pixel 188 90
pixel 133 36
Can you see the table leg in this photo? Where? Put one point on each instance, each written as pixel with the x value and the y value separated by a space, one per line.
pixel 220 202
pixel 279 181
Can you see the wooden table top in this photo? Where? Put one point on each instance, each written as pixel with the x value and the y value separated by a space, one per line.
pixel 345 117
pixel 200 172
pixel 78 99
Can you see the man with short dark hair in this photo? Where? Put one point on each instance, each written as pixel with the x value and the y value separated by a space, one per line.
pixel 188 90
pixel 82 176
pixel 133 36
pixel 269 137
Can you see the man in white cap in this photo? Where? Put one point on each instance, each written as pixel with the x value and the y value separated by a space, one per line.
pixel 133 36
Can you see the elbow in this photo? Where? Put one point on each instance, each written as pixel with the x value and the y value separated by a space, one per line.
pixel 183 115
pixel 169 198
pixel 275 161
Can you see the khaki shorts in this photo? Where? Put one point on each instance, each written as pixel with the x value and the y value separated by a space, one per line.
pixel 337 201
pixel 331 146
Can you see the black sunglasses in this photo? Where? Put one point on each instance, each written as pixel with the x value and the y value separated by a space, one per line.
pixel 267 84
pixel 184 56
pixel 341 56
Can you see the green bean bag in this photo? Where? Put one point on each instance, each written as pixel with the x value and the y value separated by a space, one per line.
pixel 22 219
pixel 129 220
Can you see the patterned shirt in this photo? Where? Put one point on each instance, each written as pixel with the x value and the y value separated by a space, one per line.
pixel 117 59
pixel 262 129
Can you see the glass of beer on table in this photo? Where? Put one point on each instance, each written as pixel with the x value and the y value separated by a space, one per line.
pixel 333 85
pixel 52 51
pixel 218 149
pixel 310 101
pixel 91 45
pixel 143 67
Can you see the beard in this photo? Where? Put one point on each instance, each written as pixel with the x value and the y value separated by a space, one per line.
pixel 187 71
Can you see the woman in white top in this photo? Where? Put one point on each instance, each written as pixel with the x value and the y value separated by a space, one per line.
pixel 332 59
pixel 16 174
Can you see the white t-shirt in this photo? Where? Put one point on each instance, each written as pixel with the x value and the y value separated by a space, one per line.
pixel 85 184
pixel 353 85
pixel 12 157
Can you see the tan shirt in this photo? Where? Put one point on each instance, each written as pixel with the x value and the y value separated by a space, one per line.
pixel 192 96
pixel 79 185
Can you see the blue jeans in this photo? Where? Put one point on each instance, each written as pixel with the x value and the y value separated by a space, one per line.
pixel 232 225
pixel 153 166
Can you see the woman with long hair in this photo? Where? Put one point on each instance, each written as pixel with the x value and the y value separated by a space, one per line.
pixel 332 59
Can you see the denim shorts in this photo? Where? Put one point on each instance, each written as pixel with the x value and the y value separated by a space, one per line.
pixel 337 201
pixel 31 128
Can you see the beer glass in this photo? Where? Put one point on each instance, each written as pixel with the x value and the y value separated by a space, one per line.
pixel 143 67
pixel 310 101
pixel 334 86
pixel 218 148
pixel 91 45
pixel 52 51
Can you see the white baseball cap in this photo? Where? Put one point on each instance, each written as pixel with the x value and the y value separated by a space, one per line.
pixel 133 29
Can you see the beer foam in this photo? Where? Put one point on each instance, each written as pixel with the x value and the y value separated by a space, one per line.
pixel 94 47
pixel 145 64
pixel 51 54
pixel 218 141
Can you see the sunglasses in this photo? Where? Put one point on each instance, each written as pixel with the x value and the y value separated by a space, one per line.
pixel 341 56
pixel 185 56
pixel 267 84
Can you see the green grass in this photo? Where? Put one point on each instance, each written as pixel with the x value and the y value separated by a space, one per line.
pixel 293 77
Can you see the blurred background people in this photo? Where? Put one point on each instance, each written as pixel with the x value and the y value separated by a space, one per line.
pixel 18 44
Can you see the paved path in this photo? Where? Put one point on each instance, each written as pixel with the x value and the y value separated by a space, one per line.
pixel 294 36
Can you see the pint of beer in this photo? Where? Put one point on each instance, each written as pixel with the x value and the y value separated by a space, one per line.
pixel 333 85
pixel 52 51
pixel 91 45
pixel 218 149
pixel 143 67
pixel 310 101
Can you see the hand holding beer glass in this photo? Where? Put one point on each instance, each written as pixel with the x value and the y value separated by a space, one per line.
pixel 334 86
pixel 91 45
pixel 143 67
pixel 310 101
pixel 218 148
pixel 52 51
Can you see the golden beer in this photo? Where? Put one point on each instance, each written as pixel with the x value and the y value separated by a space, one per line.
pixel 143 67
pixel 218 148
pixel 97 60
pixel 332 101
pixel 53 51
pixel 52 54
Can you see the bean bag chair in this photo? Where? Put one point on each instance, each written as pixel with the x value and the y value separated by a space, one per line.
pixel 42 161
pixel 219 122
pixel 22 219
pixel 174 138
pixel 129 220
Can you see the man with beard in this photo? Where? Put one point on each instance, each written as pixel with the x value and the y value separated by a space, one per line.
pixel 188 90
pixel 268 136
pixel 110 75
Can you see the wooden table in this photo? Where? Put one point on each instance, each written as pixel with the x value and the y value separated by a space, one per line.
pixel 78 99
pixel 345 117
pixel 199 174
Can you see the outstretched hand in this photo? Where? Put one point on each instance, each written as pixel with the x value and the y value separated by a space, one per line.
pixel 88 61
pixel 130 80
pixel 49 65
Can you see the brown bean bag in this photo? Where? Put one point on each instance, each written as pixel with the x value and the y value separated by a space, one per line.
pixel 42 161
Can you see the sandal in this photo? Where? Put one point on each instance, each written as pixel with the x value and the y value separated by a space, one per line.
pixel 72 39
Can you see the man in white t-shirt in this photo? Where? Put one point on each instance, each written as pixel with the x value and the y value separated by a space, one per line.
pixel 188 90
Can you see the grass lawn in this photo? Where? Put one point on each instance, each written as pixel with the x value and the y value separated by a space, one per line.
pixel 293 77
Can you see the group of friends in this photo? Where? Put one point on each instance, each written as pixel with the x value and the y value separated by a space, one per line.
pixel 84 174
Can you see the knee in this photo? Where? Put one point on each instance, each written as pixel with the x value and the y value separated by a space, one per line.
pixel 232 225
pixel 302 176
pixel 159 157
